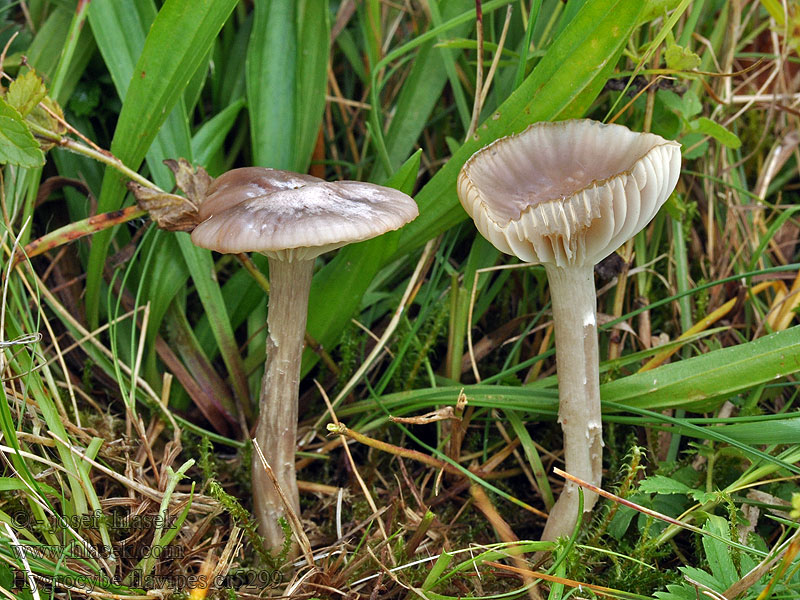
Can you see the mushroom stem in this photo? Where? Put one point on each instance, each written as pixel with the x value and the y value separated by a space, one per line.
pixel 574 301
pixel 276 432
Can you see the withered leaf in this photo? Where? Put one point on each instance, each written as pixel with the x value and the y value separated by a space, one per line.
pixel 48 114
pixel 441 414
pixel 169 211
pixel 193 183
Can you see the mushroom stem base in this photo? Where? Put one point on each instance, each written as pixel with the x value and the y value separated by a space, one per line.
pixel 276 432
pixel 577 361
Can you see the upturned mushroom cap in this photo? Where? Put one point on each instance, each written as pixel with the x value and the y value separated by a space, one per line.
pixel 296 217
pixel 570 192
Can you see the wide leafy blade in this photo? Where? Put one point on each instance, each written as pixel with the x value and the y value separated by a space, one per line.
pixel 420 93
pixel 709 378
pixel 177 43
pixel 287 61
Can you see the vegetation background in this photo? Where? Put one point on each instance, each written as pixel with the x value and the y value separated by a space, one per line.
pixel 131 359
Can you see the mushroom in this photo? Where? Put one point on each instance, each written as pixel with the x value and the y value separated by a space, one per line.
pixel 292 219
pixel 566 195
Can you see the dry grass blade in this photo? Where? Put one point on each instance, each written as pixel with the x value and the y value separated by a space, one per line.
pixel 361 483
pixel 602 590
pixel 294 520
pixel 441 414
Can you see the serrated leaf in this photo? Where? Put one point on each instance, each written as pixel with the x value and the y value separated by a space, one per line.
pixel 659 484
pixel 718 553
pixel 25 92
pixel 17 144
pixel 706 126
pixel 680 58
pixel 703 578
pixel 701 497
pixel 677 592
pixel 52 120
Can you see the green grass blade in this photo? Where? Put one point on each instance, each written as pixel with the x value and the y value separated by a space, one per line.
pixel 287 61
pixel 710 377
pixel 208 140
pixel 271 71
pixel 120 35
pixel 45 53
pixel 178 41
pixel 421 92
pixel 314 40
pixel 201 266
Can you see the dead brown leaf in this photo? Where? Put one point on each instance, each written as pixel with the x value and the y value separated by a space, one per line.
pixel 169 211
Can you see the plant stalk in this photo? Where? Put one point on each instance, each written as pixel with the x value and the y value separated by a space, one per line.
pixel 574 301
pixel 276 432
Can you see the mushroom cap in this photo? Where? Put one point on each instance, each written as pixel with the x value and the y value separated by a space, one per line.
pixel 569 192
pixel 290 217
pixel 238 185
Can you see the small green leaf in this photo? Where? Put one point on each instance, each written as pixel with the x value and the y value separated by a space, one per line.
pixel 677 592
pixel 702 497
pixel 6 576
pixel 703 578
pixel 25 92
pixel 706 126
pixel 621 522
pixel 654 9
pixel 52 120
pixel 693 145
pixel 687 105
pixel 17 145
pixel 718 553
pixel 659 484
pixel 680 58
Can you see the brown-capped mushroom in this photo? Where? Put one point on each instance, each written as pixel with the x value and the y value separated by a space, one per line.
pixel 566 195
pixel 292 219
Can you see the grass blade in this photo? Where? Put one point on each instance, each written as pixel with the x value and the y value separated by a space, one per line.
pixel 177 43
